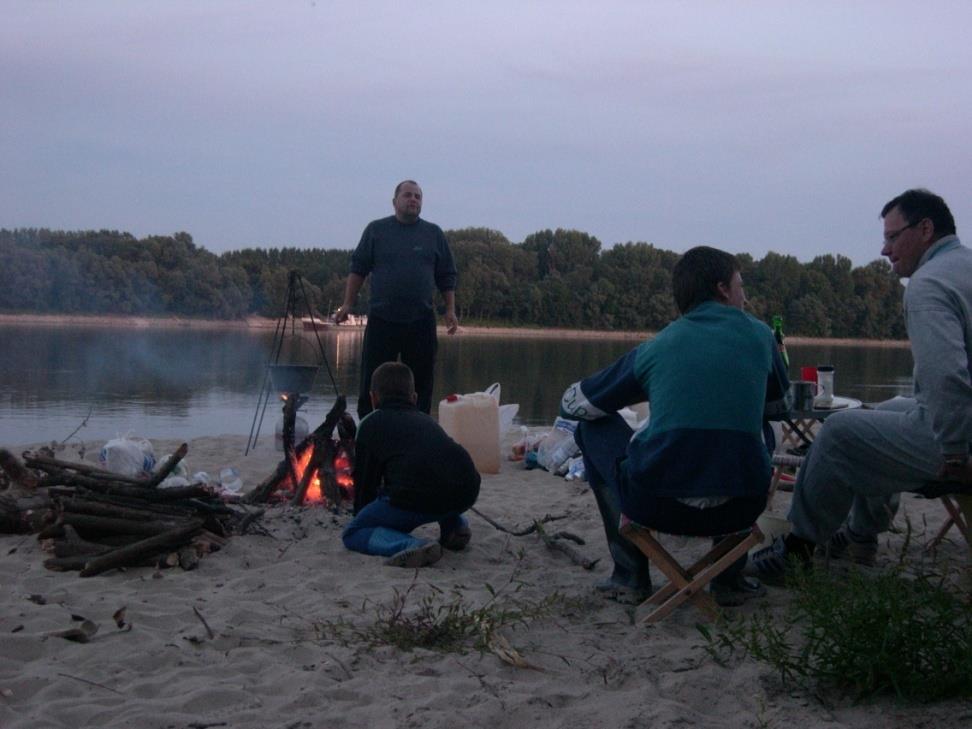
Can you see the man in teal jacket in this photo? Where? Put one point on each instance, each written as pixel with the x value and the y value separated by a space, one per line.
pixel 700 467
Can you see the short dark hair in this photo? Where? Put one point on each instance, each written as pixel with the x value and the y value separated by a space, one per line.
pixel 404 182
pixel 697 275
pixel 393 381
pixel 917 204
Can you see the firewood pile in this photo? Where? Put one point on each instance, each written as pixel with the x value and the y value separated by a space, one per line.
pixel 93 520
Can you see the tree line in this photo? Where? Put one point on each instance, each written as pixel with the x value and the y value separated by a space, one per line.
pixel 554 278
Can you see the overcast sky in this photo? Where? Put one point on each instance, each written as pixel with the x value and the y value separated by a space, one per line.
pixel 751 126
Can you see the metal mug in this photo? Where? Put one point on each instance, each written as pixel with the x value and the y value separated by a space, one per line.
pixel 825 385
pixel 803 394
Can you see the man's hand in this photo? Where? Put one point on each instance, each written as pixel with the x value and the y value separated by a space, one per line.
pixel 956 469
pixel 451 322
pixel 342 313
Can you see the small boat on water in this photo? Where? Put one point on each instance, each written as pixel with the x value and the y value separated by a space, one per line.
pixel 310 323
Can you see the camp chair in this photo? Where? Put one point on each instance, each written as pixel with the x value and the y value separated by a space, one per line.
pixel 686 584
pixel 957 500
pixel 779 462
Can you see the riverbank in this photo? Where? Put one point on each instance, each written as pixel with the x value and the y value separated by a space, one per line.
pixel 262 323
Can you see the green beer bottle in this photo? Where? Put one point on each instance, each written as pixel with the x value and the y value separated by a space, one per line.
pixel 778 335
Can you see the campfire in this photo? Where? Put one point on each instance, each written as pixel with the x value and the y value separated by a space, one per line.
pixel 94 521
pixel 318 469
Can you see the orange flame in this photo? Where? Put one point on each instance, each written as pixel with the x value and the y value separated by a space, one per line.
pixel 315 493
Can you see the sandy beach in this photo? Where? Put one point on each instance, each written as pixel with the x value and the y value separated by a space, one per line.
pixel 276 656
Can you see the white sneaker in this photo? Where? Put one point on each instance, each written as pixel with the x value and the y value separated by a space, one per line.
pixel 421 556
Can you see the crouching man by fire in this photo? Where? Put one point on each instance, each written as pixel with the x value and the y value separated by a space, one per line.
pixel 408 472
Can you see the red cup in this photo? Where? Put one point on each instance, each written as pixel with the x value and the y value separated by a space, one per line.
pixel 808 373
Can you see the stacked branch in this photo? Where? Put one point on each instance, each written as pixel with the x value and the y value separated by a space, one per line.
pixel 93 520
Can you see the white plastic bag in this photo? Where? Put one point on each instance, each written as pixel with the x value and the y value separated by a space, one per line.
pixel 506 412
pixel 559 446
pixel 128 456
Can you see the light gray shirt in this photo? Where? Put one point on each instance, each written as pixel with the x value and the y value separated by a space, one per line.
pixel 938 314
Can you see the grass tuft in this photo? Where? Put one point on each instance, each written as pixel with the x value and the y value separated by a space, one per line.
pixel 863 634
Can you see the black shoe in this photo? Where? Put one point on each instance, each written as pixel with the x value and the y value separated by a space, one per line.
pixel 737 591
pixel 456 540
pixel 622 593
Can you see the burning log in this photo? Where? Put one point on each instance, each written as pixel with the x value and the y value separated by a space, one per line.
pixel 313 470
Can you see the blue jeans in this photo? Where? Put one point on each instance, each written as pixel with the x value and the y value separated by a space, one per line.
pixel 604 443
pixel 383 529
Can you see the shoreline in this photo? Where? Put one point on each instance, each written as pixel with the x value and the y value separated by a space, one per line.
pixel 263 323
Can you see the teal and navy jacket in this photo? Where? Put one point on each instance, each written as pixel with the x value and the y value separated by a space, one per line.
pixel 707 376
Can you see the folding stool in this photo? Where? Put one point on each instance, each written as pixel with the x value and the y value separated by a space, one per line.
pixel 687 584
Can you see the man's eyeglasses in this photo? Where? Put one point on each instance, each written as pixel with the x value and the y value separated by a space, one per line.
pixel 892 237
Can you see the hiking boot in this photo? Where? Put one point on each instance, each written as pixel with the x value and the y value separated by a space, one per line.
pixel 737 591
pixel 848 546
pixel 457 539
pixel 623 594
pixel 420 556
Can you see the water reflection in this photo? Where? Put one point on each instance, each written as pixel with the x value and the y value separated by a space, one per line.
pixel 187 383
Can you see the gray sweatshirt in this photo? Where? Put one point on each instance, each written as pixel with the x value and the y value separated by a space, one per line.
pixel 938 314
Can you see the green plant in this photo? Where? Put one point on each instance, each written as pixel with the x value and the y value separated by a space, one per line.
pixel 438 620
pixel 865 634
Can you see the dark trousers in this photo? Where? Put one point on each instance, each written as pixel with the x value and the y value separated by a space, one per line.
pixel 384 341
pixel 604 443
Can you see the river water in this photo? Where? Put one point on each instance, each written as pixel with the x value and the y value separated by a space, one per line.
pixel 186 383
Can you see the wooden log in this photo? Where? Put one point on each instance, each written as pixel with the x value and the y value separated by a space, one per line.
pixel 163 473
pixel 135 492
pixel 16 471
pixel 262 492
pixel 52 531
pixel 97 525
pixel 133 553
pixel 65 564
pixel 99 508
pixel 188 558
pixel 23 514
pixel 161 510
pixel 72 545
pixel 53 465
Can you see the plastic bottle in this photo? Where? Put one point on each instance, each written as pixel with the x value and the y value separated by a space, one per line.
pixel 778 335
pixel 230 480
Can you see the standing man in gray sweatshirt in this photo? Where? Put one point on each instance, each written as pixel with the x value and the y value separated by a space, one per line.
pixel 847 491
pixel 408 259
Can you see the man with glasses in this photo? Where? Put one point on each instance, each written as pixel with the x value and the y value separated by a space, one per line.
pixel 847 491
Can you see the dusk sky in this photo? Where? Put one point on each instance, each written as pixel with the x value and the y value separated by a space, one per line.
pixel 751 126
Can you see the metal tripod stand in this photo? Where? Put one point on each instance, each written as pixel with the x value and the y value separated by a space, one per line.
pixel 289 378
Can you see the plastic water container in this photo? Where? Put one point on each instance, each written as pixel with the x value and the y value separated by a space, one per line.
pixel 473 422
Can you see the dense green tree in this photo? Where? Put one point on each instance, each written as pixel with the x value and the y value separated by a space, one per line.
pixel 554 278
